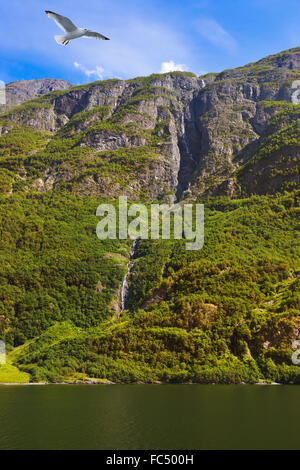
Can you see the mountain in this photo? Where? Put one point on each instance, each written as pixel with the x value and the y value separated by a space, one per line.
pixel 19 92
pixel 228 313
pixel 175 134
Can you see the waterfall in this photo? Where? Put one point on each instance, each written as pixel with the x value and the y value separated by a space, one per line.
pixel 125 284
pixel 185 141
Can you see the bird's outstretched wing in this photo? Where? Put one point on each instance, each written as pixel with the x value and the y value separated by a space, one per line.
pixel 64 23
pixel 92 34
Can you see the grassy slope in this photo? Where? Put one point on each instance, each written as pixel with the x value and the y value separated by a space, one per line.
pixel 10 374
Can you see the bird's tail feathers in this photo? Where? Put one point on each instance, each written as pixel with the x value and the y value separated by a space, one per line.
pixel 61 40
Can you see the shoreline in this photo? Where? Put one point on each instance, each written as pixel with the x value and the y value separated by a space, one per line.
pixel 94 383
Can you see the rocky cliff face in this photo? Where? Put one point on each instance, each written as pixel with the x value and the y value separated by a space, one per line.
pixel 164 136
pixel 20 92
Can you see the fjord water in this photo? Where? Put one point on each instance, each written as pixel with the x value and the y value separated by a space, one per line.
pixel 149 417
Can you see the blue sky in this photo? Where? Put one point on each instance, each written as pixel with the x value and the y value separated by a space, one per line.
pixel 147 36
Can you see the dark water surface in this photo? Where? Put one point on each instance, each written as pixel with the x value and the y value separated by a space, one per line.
pixel 149 417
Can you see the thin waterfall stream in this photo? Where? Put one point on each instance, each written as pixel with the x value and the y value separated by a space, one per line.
pixel 125 283
pixel 185 141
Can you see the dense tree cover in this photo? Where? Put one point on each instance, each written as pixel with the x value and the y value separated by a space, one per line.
pixel 53 267
pixel 17 144
pixel 226 314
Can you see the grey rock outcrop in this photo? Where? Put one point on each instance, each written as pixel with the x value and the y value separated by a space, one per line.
pixel 173 135
pixel 22 91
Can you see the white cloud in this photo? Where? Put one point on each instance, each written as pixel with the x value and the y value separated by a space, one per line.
pixel 213 32
pixel 97 72
pixel 172 67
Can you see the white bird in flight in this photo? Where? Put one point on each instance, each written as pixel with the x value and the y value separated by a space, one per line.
pixel 72 31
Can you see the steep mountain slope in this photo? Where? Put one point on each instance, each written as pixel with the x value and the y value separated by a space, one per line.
pixel 166 134
pixel 228 313
pixel 19 92
pixel 109 137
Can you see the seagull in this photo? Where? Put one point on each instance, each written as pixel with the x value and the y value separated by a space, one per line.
pixel 72 31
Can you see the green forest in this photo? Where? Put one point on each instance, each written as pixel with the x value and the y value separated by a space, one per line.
pixel 225 314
